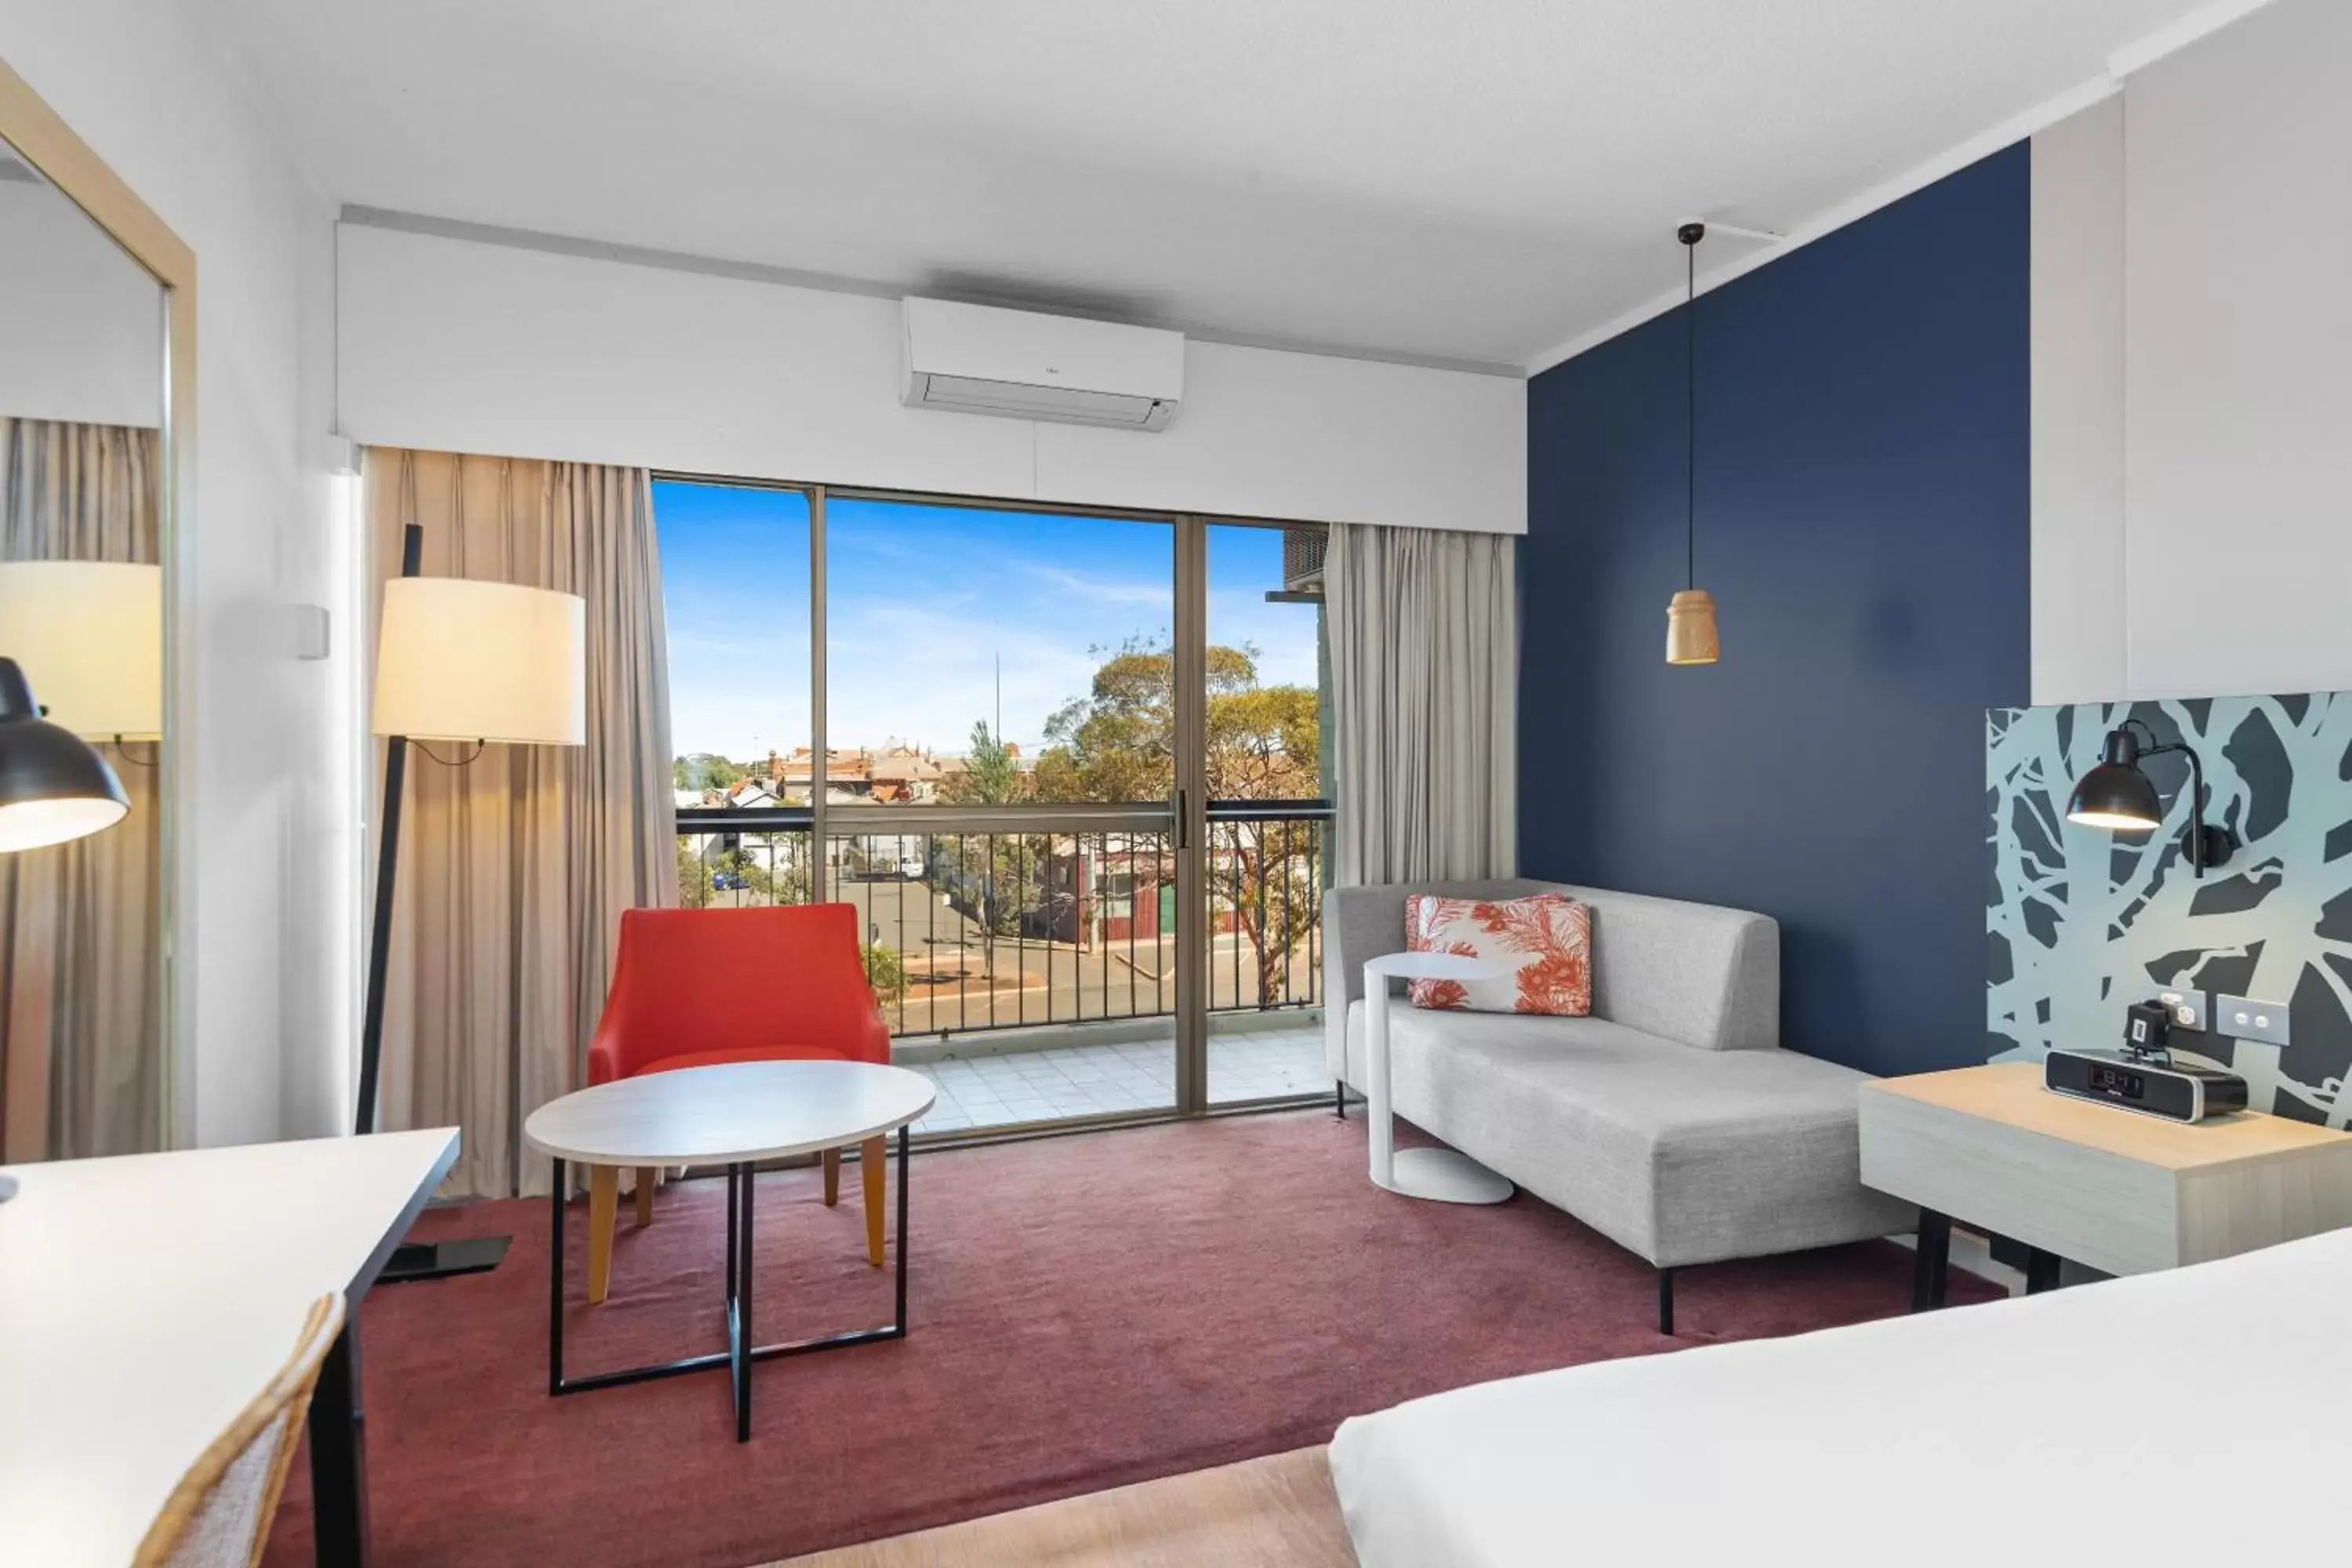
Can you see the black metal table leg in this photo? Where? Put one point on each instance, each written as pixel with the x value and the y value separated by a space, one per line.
pixel 742 1351
pixel 2040 1271
pixel 339 1453
pixel 734 1234
pixel 1931 1271
pixel 555 1286
pixel 739 1314
pixel 901 1317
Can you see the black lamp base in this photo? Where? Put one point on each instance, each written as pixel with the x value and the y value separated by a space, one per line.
pixel 442 1260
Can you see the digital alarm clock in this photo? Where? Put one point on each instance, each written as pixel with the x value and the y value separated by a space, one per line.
pixel 2150 1086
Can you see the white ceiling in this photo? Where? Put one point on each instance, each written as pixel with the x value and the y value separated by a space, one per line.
pixel 1469 180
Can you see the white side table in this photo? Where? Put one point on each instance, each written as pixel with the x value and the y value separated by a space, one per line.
pixel 1447 1175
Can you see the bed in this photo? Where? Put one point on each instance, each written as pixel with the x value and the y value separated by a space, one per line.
pixel 2200 1415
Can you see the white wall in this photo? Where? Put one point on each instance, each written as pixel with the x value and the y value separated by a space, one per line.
pixel 82 324
pixel 141 82
pixel 2078 552
pixel 2208 551
pixel 453 344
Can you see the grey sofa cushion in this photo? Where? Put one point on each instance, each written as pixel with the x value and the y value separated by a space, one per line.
pixel 1681 1155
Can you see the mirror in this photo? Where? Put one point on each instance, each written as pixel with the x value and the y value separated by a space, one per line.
pixel 84 494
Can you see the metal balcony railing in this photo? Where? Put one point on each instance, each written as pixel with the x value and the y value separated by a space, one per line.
pixel 1030 917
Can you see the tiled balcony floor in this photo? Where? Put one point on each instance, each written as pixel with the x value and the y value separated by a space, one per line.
pixel 1136 1075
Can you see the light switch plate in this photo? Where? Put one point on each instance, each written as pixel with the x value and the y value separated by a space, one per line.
pixel 2188 1008
pixel 311 629
pixel 2248 1018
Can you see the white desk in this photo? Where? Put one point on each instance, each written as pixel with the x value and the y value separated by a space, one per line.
pixel 144 1300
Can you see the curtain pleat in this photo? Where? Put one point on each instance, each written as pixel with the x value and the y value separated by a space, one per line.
pixel 82 1058
pixel 1424 658
pixel 514 866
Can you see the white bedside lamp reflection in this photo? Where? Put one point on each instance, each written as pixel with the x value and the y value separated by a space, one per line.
pixel 479 664
pixel 89 637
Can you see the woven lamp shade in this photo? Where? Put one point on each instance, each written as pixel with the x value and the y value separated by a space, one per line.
pixel 1690 629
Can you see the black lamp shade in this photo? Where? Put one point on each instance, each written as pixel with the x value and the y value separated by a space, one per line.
pixel 2115 795
pixel 54 786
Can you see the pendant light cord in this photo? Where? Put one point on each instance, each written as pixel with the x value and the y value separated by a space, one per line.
pixel 1690 384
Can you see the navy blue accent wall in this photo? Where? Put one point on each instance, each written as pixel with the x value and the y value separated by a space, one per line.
pixel 1862 523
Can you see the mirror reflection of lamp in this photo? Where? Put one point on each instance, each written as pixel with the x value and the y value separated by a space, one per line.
pixel 54 786
pixel 94 632
pixel 89 636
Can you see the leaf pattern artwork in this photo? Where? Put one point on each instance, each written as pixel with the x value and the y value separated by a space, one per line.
pixel 1544 942
pixel 2079 920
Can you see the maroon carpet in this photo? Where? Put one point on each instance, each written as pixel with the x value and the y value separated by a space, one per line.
pixel 1086 1312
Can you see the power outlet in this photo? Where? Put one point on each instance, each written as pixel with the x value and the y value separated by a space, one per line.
pixel 2188 1008
pixel 2248 1018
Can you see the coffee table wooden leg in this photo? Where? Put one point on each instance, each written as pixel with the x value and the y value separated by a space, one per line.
pixel 873 1156
pixel 647 1177
pixel 832 1177
pixel 604 1202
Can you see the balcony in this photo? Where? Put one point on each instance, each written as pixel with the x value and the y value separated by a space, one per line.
pixel 1031 971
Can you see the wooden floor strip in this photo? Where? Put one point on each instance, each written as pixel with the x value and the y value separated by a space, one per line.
pixel 1275 1512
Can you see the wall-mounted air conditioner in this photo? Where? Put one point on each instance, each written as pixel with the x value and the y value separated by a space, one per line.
pixel 974 359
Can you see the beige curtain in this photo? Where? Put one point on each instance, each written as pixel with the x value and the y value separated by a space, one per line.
pixel 81 1060
pixel 515 866
pixel 1424 628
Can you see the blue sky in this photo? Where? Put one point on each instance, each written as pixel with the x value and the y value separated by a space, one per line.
pixel 923 603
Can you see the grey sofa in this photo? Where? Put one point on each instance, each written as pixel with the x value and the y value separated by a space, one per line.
pixel 1670 1120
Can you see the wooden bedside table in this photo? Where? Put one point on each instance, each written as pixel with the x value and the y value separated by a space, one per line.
pixel 2115 1190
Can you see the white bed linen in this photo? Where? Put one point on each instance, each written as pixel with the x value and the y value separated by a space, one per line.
pixel 2202 1415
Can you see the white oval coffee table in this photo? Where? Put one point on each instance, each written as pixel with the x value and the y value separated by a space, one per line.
pixel 1444 1176
pixel 734 1115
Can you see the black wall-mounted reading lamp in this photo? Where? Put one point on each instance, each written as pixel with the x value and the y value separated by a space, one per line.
pixel 2115 794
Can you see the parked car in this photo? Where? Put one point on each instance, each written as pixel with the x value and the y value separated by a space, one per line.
pixel 911 869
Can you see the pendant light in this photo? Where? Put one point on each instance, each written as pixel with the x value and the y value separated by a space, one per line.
pixel 1690 616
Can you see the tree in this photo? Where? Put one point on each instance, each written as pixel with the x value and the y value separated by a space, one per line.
pixel 1263 742
pixel 991 772
pixel 992 872
pixel 704 770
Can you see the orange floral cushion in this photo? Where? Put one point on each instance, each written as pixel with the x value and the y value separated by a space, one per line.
pixel 1545 940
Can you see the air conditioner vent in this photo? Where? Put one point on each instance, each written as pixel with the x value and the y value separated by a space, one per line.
pixel 1017 365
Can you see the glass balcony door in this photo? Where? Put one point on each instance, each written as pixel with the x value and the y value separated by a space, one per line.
pixel 1064 766
pixel 1002 713
pixel 1262 758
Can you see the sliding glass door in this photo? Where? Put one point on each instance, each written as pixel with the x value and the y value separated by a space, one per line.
pixel 1064 766
pixel 1003 754
pixel 1263 760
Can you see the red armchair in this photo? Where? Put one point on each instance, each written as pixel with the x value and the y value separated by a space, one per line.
pixel 695 987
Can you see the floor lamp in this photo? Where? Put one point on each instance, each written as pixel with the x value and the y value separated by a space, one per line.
pixel 478 664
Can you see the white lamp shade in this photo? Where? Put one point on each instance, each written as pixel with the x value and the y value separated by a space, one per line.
pixel 463 661
pixel 89 635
